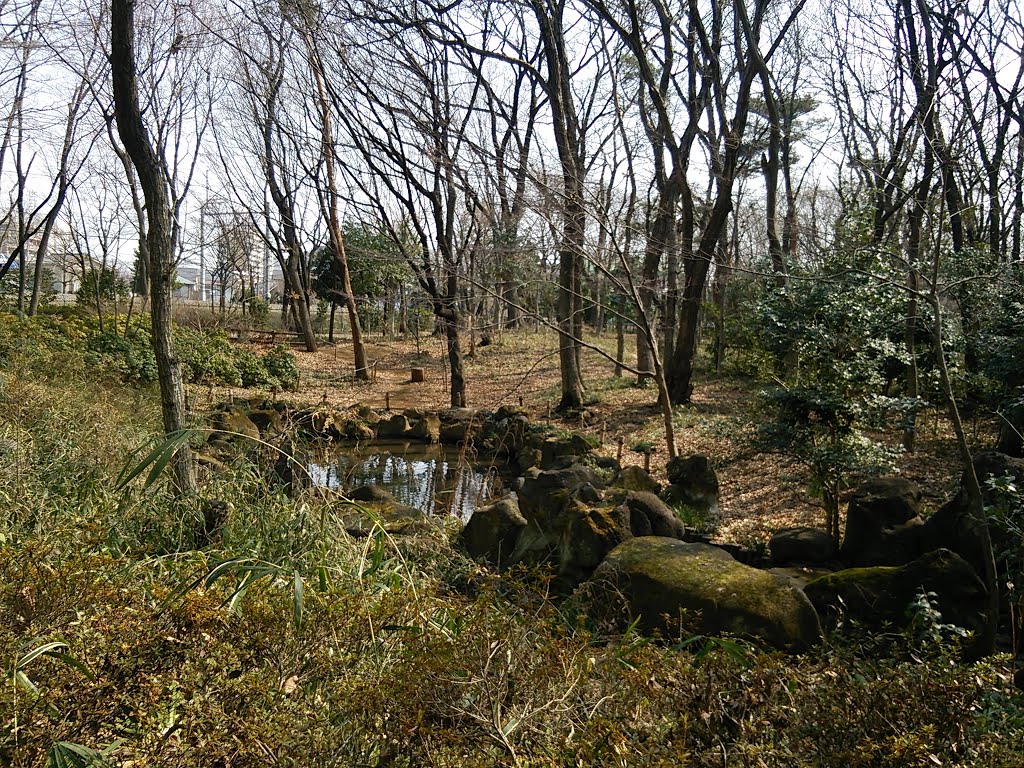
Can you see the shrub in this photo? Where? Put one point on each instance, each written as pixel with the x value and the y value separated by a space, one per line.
pixel 209 357
pixel 252 370
pixel 104 283
pixel 259 312
pixel 129 357
pixel 280 365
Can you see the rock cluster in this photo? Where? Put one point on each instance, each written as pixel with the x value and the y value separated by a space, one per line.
pixel 609 533
pixel 891 554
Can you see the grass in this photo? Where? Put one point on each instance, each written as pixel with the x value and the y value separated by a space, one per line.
pixel 286 642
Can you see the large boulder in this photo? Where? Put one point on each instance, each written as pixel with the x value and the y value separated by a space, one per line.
pixel 569 447
pixel 373 508
pixel 802 545
pixel 314 423
pixel 458 425
pixel 574 540
pixel 953 526
pixel 676 588
pixel 881 595
pixel 883 526
pixel 543 494
pixel 355 429
pixel 692 482
pixel 425 426
pixel 269 421
pixel 395 428
pixel 492 532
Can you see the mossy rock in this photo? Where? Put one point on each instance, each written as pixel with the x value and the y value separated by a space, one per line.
pixel 676 588
pixel 692 482
pixel 650 516
pixel 882 523
pixel 634 478
pixel 801 544
pixel 426 427
pixel 269 421
pixel 377 509
pixel 572 446
pixel 544 494
pixel 231 422
pixel 589 534
pixel 879 596
pixel 492 532
pixel 317 423
pixel 459 425
pixel 393 428
pixel 356 429
pixel 575 541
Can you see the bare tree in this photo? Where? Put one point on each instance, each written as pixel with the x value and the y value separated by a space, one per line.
pixel 258 148
pixel 304 20
pixel 153 173
pixel 408 126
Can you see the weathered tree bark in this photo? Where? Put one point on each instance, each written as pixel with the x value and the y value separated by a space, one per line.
pixel 152 174
pixel 295 298
pixel 558 87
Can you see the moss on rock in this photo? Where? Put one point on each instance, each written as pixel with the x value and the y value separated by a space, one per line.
pixel 678 588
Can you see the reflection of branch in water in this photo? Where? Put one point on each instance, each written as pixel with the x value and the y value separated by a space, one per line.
pixel 432 479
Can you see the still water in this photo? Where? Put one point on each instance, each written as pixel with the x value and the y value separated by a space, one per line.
pixel 436 479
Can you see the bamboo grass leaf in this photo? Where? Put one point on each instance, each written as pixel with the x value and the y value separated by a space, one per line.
pixel 156 461
pixel 40 650
pixel 297 600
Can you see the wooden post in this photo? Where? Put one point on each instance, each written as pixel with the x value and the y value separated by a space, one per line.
pixel 416 375
pixel 387 401
pixel 647 461
pixel 520 401
pixel 618 454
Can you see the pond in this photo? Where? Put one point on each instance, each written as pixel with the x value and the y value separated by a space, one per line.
pixel 439 480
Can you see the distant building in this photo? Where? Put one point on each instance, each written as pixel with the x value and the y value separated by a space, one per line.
pixel 59 265
pixel 198 283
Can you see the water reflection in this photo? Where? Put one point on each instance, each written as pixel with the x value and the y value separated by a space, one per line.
pixel 432 478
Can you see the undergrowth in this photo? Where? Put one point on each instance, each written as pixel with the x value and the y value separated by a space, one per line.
pixel 286 642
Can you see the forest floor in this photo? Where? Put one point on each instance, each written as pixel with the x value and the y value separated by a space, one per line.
pixel 760 492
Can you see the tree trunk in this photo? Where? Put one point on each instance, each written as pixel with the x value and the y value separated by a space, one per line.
pixel 680 373
pixel 448 317
pixel 572 389
pixel 986 643
pixel 620 343
pixel 362 372
pixel 151 171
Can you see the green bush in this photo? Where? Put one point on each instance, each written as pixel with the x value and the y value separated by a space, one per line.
pixel 106 283
pixel 259 312
pixel 40 345
pixel 208 358
pixel 252 370
pixel 129 357
pixel 280 365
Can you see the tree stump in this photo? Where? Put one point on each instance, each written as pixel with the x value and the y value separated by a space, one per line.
pixel 416 375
